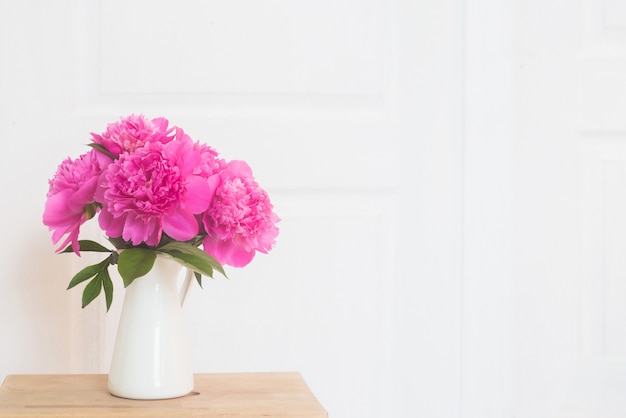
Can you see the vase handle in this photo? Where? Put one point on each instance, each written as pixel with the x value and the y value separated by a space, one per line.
pixel 184 289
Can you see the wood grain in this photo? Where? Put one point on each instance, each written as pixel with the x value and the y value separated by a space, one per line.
pixel 241 395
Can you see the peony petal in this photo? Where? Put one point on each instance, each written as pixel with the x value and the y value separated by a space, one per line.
pixel 239 168
pixel 56 211
pixel 152 231
pixel 240 257
pixel 112 226
pixel 198 196
pixel 137 230
pixel 227 252
pixel 83 196
pixel 180 225
pixel 216 247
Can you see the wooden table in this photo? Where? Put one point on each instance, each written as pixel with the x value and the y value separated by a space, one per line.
pixel 248 395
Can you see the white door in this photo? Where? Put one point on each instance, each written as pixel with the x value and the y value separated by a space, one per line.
pixel 544 166
pixel 450 177
pixel 351 115
pixel 570 295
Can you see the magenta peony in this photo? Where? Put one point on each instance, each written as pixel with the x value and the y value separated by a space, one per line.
pixel 132 132
pixel 151 191
pixel 240 220
pixel 157 192
pixel 71 199
pixel 206 158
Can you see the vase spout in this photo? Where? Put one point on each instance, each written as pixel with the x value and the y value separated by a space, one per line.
pixel 184 289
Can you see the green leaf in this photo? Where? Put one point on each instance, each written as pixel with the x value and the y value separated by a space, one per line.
pixel 92 290
pixel 88 272
pixel 87 245
pixel 180 251
pixel 135 262
pixel 107 285
pixel 102 149
pixel 193 262
pixel 198 278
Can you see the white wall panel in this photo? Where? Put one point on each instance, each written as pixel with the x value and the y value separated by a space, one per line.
pixel 547 208
pixel 33 304
pixel 614 265
pixel 600 126
pixel 246 47
pixel 603 26
pixel 604 336
pixel 350 114
pixel 614 14
pixel 602 88
pixel 486 352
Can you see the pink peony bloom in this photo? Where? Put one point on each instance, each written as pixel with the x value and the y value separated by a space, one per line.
pixel 208 161
pixel 71 199
pixel 240 220
pixel 153 191
pixel 132 132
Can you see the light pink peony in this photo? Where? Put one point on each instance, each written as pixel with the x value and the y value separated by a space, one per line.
pixel 240 220
pixel 71 199
pixel 132 132
pixel 153 191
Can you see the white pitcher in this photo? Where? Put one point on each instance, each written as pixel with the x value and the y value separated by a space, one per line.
pixel 151 355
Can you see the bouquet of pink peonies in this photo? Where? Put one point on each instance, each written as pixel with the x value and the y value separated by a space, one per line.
pixel 154 191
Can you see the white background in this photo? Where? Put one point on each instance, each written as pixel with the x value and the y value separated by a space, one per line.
pixel 450 176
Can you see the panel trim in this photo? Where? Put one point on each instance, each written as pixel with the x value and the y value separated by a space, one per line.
pixel 597 149
pixel 91 100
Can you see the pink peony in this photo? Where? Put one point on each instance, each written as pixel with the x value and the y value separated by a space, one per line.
pixel 132 132
pixel 71 199
pixel 154 188
pixel 151 191
pixel 240 220
pixel 208 161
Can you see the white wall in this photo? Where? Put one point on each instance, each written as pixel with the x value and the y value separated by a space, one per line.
pixel 449 174
pixel 323 101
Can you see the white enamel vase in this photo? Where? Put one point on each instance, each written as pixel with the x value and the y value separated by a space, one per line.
pixel 151 355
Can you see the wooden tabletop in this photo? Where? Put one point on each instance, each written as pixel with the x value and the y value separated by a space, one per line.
pixel 248 395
